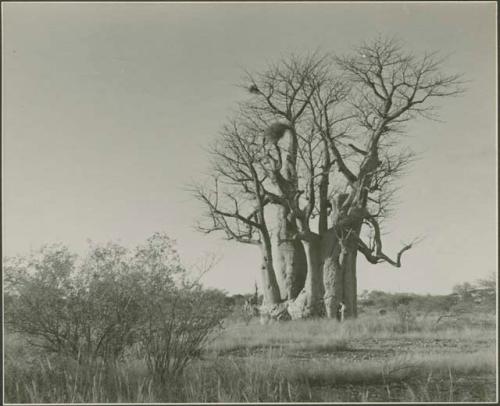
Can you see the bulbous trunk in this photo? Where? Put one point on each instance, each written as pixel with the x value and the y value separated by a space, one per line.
pixel 333 275
pixel 350 282
pixel 309 302
pixel 292 269
pixel 314 279
pixel 290 258
pixel 270 286
pixel 339 270
pixel 348 261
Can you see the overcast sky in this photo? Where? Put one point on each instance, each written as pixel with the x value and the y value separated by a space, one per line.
pixel 107 108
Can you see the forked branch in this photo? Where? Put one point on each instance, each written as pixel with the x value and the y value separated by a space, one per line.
pixel 375 254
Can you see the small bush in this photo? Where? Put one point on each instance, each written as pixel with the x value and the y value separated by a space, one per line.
pixel 407 319
pixel 176 328
pixel 111 302
pixel 82 310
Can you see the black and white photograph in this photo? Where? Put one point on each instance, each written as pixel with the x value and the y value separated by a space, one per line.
pixel 249 202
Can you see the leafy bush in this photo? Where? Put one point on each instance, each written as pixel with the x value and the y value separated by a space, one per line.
pixel 177 315
pixel 174 333
pixel 111 301
pixel 83 310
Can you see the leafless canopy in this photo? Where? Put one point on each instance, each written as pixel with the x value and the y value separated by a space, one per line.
pixel 345 119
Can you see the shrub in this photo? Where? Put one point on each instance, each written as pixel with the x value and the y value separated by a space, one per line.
pixel 84 310
pixel 177 315
pixel 175 332
pixel 407 319
pixel 111 301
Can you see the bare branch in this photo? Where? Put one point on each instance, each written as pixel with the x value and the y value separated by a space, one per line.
pixel 375 254
pixel 358 150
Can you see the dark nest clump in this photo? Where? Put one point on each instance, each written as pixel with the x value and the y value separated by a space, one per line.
pixel 276 131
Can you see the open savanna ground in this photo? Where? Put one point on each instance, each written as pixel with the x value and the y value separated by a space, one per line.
pixel 374 358
pixel 265 202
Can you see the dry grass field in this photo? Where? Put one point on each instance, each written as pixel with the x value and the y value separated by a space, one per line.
pixel 374 358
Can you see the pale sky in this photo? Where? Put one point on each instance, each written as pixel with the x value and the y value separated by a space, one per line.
pixel 107 109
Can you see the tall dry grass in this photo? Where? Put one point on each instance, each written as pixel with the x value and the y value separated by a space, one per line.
pixel 270 378
pixel 326 335
pixel 255 363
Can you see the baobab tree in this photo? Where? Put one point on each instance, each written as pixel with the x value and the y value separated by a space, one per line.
pixel 320 141
pixel 389 88
pixel 284 156
pixel 285 92
pixel 279 109
pixel 234 199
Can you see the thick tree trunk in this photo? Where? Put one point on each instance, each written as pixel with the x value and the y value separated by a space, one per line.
pixel 290 253
pixel 348 263
pixel 339 271
pixel 309 302
pixel 270 286
pixel 333 275
pixel 314 279
pixel 350 283
pixel 290 258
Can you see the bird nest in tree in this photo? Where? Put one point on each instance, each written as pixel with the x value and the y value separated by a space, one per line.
pixel 275 131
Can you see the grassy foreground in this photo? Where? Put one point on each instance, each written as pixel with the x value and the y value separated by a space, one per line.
pixel 374 358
